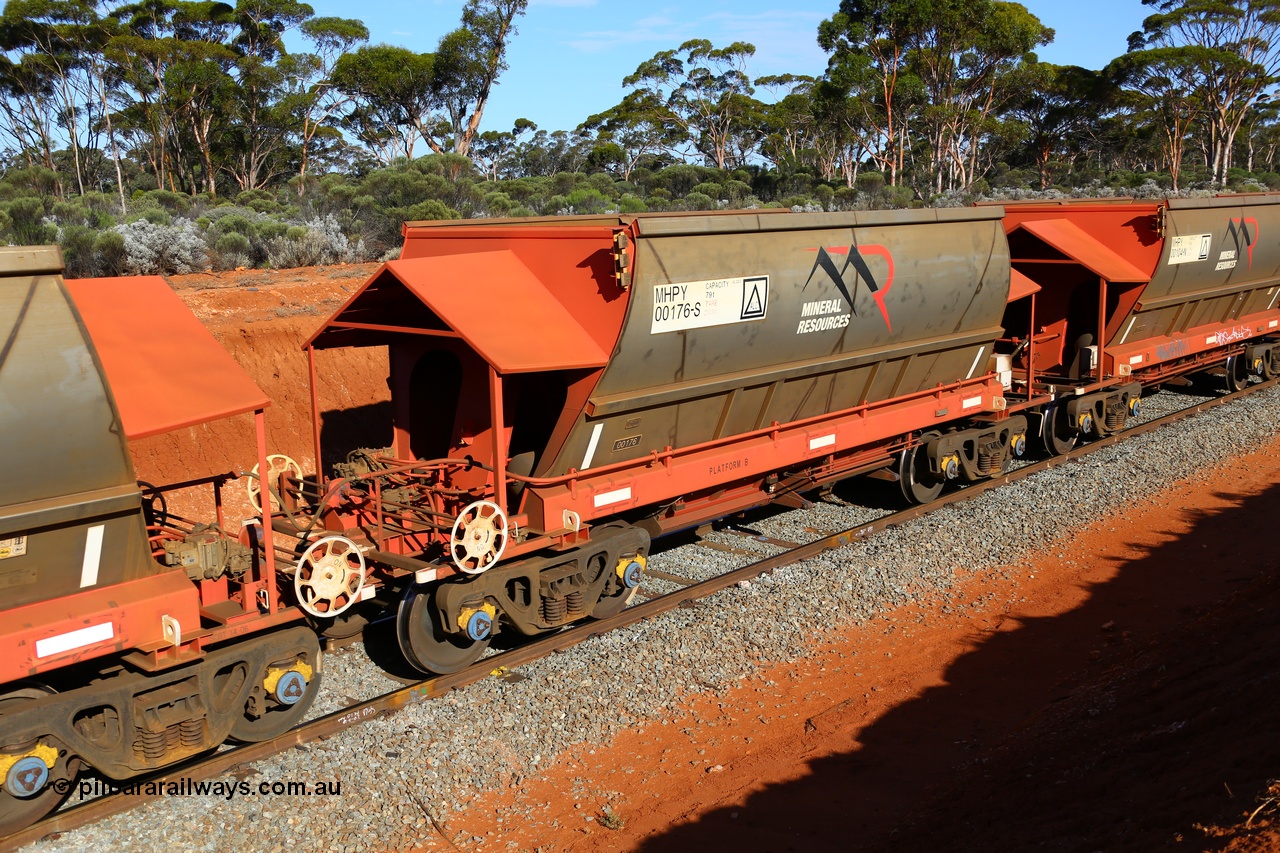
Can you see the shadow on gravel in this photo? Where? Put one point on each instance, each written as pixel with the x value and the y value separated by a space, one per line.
pixel 1202 385
pixel 1123 724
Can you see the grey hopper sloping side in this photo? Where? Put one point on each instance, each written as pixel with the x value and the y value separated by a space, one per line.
pixel 860 307
pixel 70 509
pixel 1238 275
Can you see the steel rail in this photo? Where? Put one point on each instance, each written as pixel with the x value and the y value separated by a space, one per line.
pixel 221 762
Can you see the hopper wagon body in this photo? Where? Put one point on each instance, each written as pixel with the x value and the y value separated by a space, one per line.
pixel 130 638
pixel 592 382
pixel 1111 296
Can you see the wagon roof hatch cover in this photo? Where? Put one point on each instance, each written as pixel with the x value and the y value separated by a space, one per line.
pixel 489 299
pixel 1088 251
pixel 165 369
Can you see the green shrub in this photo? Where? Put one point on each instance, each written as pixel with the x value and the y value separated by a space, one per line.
pixel 429 209
pixel 870 182
pixel 711 190
pixel 259 200
pixel 232 250
pixel 28 228
pixel 699 201
pixel 631 204
pixel 737 191
pixel 109 248
pixel 268 229
pixel 170 201
pixel 498 203
pixel 825 196
pixel 846 198
pixel 587 200
pixel 604 183
pixel 77 251
pixel 236 224
pixel 233 242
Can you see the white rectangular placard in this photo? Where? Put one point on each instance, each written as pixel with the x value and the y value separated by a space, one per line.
pixel 77 639
pixel 1189 248
pixel 685 305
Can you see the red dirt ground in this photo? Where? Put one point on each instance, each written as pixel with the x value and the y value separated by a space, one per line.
pixel 1122 696
pixel 263 317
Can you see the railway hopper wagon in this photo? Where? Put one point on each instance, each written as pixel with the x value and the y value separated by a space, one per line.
pixel 565 389
pixel 129 638
pixel 1109 297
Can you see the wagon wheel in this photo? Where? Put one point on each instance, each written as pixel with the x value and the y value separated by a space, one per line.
pixel 329 576
pixel 615 596
pixel 426 645
pixel 479 537
pixel 277 464
pixel 1056 435
pixel 284 692
pixel 919 485
pixel 49 787
pixel 1237 373
pixel 612 605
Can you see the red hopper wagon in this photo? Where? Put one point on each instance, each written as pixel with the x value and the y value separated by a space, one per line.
pixel 564 389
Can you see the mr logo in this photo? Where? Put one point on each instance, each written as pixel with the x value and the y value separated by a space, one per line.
pixel 1238 231
pixel 835 271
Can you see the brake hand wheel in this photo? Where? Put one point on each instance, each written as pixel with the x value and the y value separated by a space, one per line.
pixel 479 537
pixel 277 464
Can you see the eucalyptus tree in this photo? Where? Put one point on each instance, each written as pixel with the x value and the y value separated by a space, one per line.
pixel 1262 135
pixel 27 99
pixel 966 57
pixel 468 62
pixel 313 98
pixel 176 57
pixel 869 42
pixel 848 130
pixel 1054 106
pixel 1166 93
pixel 494 150
pixel 261 130
pixel 789 127
pixel 1232 47
pixel 945 68
pixel 391 99
pixel 57 67
pixel 636 130
pixel 705 94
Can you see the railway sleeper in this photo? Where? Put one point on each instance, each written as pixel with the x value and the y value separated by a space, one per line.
pixel 541 593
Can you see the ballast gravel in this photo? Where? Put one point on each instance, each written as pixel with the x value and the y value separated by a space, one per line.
pixel 403 775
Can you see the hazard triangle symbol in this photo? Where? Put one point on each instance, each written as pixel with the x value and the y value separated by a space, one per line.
pixel 756 293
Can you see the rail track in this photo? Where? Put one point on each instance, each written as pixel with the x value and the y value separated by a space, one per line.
pixel 328 725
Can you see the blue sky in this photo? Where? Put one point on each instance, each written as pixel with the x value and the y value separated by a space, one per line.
pixel 570 56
